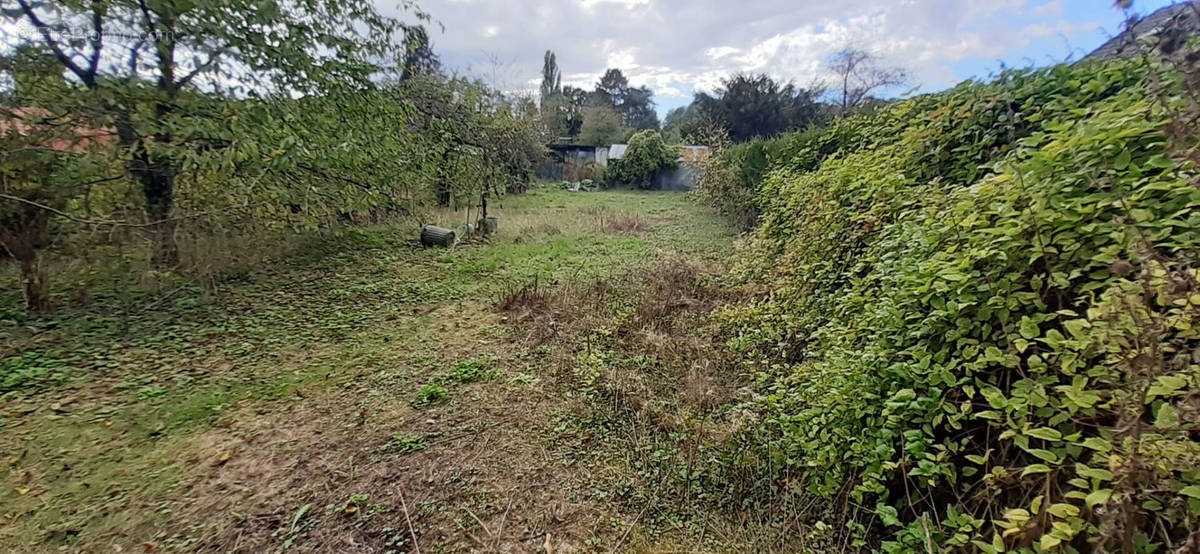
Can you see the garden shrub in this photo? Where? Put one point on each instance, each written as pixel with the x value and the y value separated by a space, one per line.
pixel 983 322
pixel 646 157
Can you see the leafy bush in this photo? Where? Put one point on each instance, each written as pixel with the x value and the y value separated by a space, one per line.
pixel 982 330
pixel 732 178
pixel 645 159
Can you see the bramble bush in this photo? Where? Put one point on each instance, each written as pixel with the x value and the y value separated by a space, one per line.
pixel 982 329
pixel 646 158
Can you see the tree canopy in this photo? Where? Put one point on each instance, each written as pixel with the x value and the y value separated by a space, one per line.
pixel 749 106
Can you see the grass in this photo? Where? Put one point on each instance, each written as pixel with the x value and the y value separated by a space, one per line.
pixel 116 413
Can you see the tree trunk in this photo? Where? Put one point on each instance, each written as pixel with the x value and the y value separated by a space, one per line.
pixel 157 177
pixel 37 287
pixel 158 185
pixel 21 237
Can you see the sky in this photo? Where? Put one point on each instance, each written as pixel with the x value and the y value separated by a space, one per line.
pixel 680 47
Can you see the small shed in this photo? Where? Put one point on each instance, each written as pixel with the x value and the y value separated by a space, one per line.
pixel 617 151
pixel 573 162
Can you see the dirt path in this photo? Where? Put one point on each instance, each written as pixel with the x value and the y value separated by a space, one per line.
pixel 381 403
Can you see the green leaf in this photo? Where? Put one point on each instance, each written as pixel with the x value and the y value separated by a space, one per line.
pixel 1063 510
pixel 1035 468
pixel 1167 417
pixel 1028 328
pixel 1097 443
pixel 1098 496
pixel 1044 433
pixel 888 515
pixel 1043 454
pixel 1191 490
pixel 1166 385
pixel 1121 162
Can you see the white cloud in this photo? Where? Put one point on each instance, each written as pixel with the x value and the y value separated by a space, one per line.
pixel 676 47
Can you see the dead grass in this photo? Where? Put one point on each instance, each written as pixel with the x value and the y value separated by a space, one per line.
pixel 624 223
pixel 653 366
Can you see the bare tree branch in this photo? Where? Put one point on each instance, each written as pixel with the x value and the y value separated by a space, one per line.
pixel 88 77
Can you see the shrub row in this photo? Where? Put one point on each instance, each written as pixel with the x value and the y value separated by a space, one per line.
pixel 982 324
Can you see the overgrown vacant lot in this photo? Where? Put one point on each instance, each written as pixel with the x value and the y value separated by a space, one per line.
pixel 360 394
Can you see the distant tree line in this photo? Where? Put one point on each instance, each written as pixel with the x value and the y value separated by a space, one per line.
pixel 748 106
pixel 608 114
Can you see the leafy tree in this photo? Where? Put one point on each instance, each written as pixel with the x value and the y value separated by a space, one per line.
pixel 638 109
pixel 859 74
pixel 488 143
pixel 645 159
pixel 551 77
pixel 35 174
pixel 553 103
pixel 419 58
pixel 602 125
pixel 32 69
pixel 610 90
pixel 575 100
pixel 749 106
pixel 29 171
pixel 635 104
pixel 161 74
pixel 682 124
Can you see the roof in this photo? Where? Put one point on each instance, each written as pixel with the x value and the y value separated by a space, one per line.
pixel 617 151
pixel 1182 14
pixel 27 120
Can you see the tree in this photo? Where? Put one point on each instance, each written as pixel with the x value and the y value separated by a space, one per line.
pixel 488 143
pixel 602 125
pixel 610 90
pixel 37 147
pixel 553 103
pixel 575 100
pixel 635 104
pixel 860 73
pixel 681 124
pixel 419 58
pixel 551 77
pixel 647 157
pixel 33 70
pixel 638 109
pixel 749 106
pixel 29 171
pixel 158 71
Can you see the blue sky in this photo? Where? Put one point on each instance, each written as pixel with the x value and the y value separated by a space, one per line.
pixel 678 47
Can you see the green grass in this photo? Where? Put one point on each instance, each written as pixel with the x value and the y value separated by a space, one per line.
pixel 92 396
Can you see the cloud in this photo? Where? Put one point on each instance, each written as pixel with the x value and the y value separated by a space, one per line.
pixel 678 47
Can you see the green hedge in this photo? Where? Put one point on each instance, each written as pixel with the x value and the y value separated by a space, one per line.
pixel 983 325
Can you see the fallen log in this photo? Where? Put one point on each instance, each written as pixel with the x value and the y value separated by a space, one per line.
pixel 432 235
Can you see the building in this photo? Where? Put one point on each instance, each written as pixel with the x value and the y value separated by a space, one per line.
pixel 573 162
pixel 1184 16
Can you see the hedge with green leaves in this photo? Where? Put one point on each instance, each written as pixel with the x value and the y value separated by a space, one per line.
pixel 982 329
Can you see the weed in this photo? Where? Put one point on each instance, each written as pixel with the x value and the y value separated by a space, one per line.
pixel 469 372
pixel 429 394
pixel 403 444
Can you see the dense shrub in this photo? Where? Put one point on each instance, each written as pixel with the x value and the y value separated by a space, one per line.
pixel 732 179
pixel 982 324
pixel 645 159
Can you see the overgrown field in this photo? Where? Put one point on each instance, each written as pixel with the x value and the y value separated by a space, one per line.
pixel 975 314
pixel 358 394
